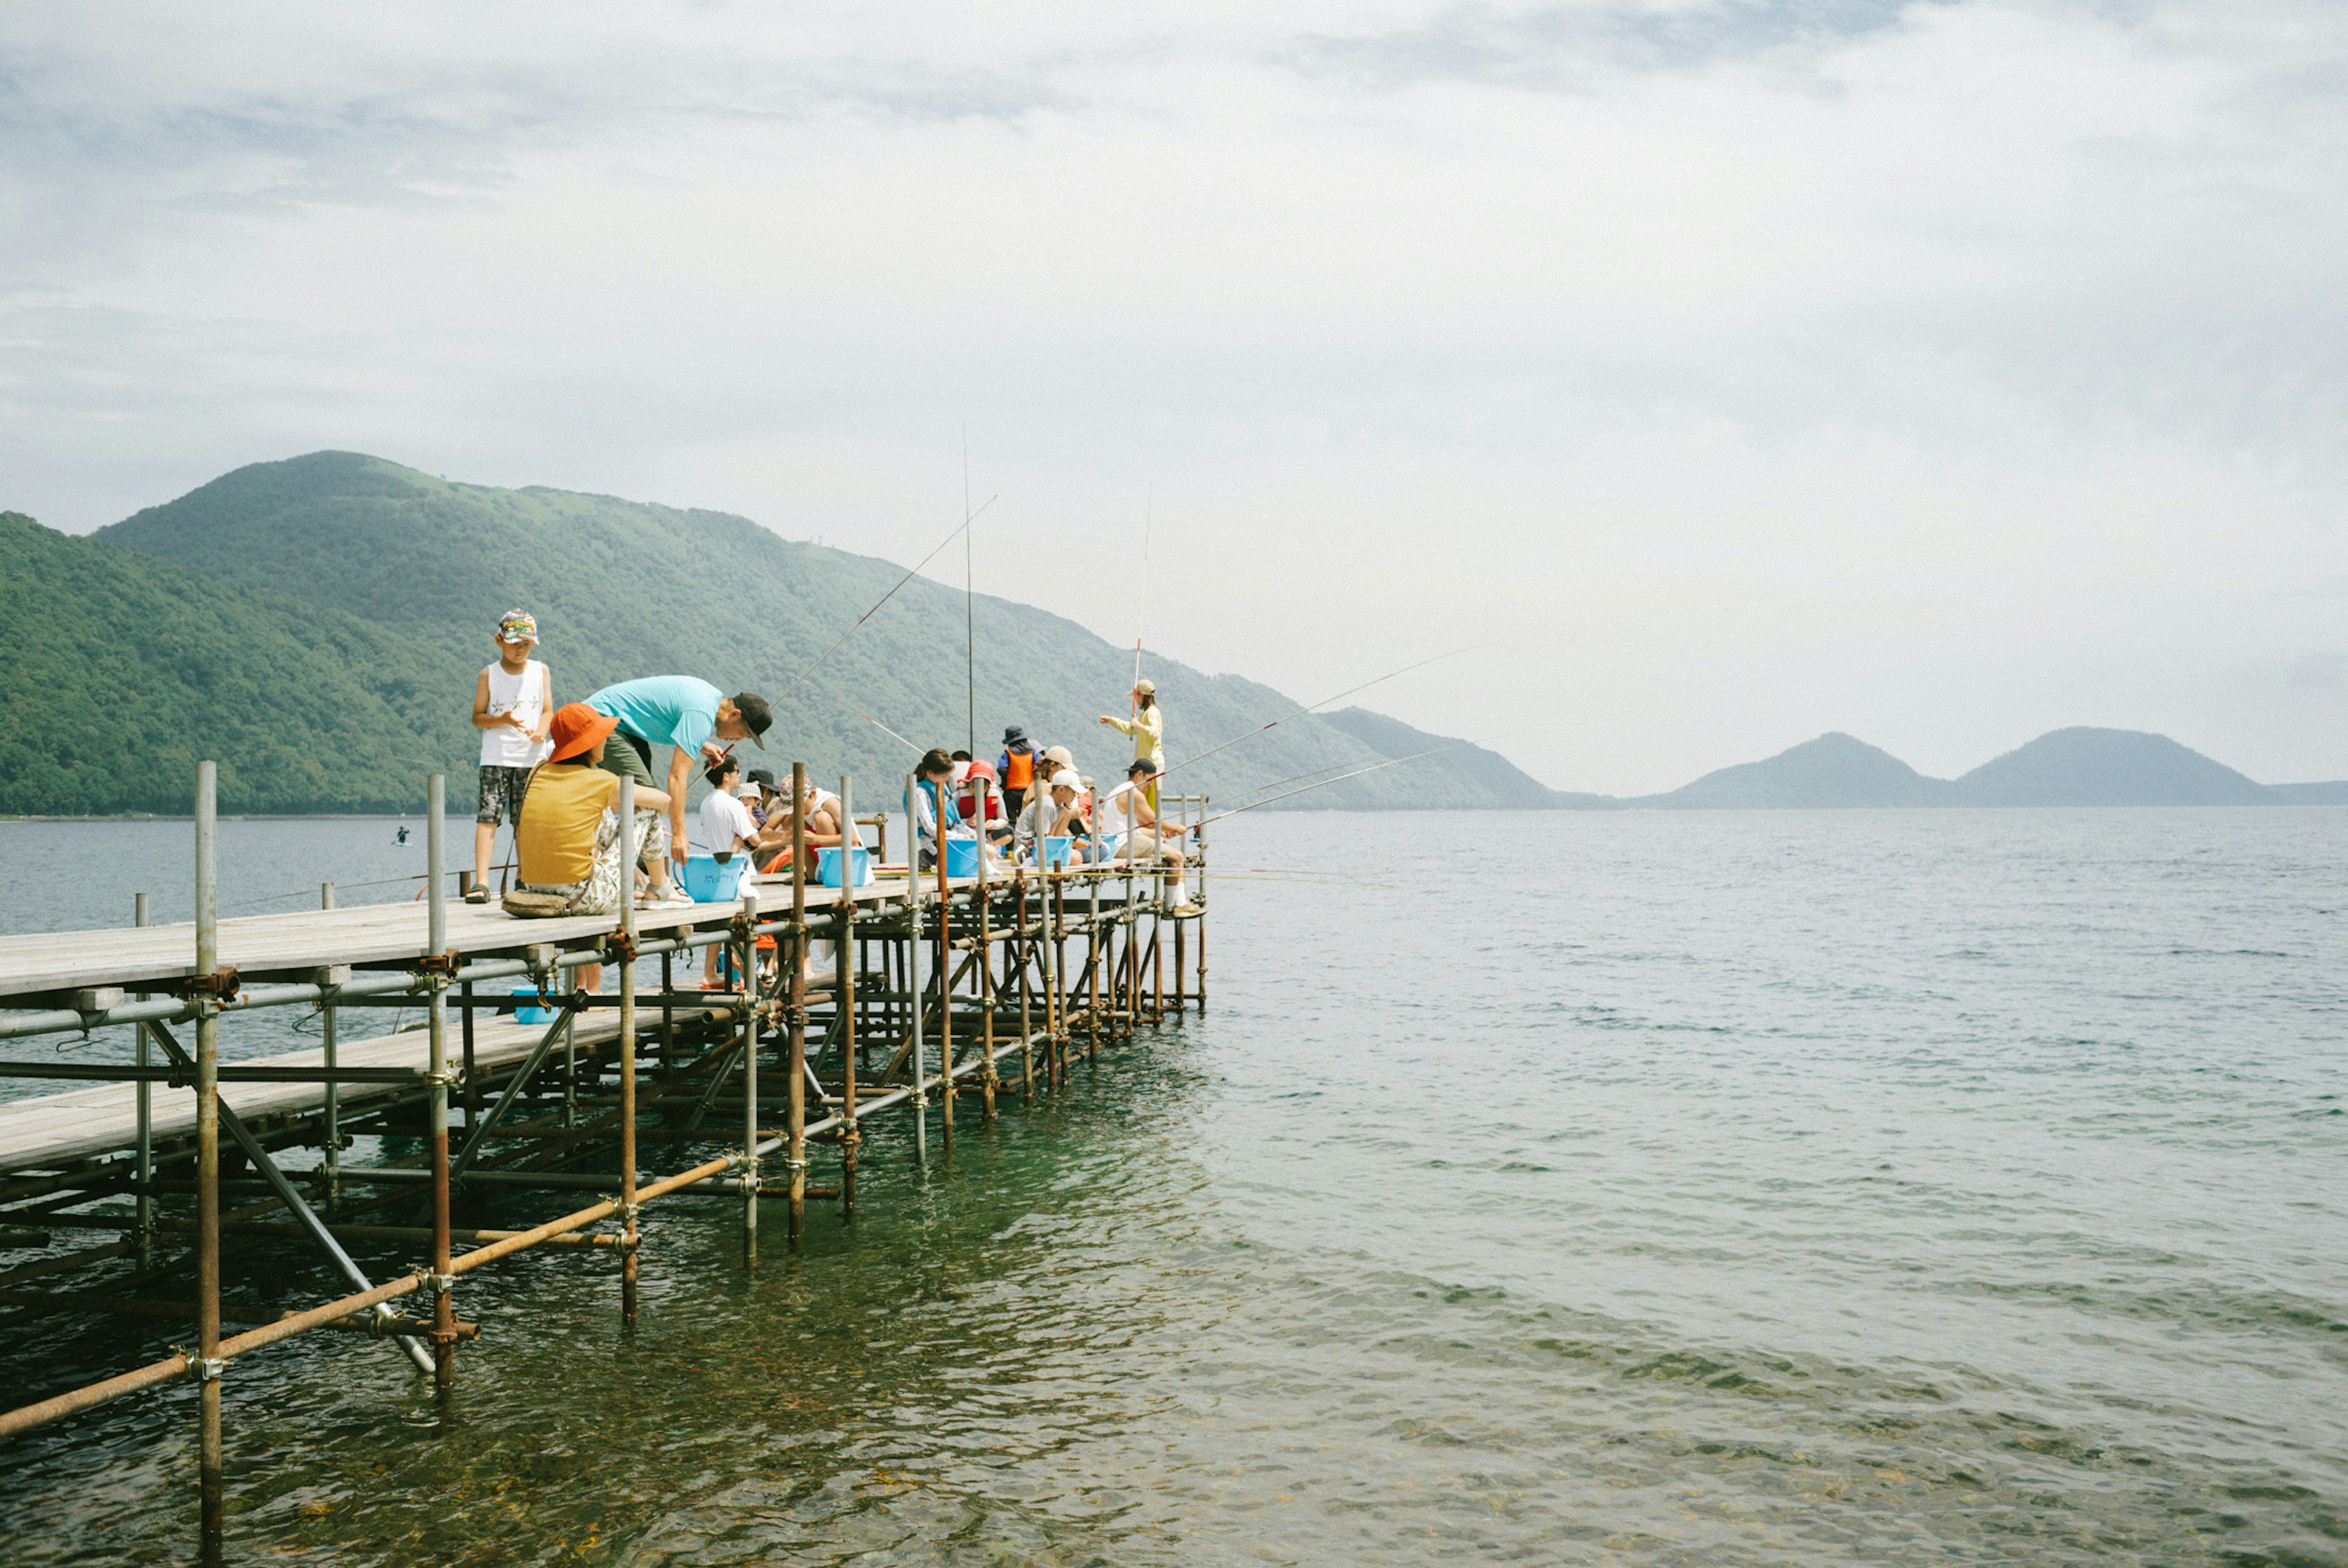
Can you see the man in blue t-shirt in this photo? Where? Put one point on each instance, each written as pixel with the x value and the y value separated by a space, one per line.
pixel 690 715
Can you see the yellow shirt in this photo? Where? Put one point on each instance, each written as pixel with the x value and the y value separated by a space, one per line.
pixel 1148 732
pixel 555 835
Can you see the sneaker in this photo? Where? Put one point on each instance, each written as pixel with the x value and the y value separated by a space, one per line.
pixel 673 898
pixel 1179 911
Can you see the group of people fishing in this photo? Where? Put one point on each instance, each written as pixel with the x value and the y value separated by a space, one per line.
pixel 553 773
pixel 1030 805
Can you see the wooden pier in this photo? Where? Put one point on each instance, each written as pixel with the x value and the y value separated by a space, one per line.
pixel 937 997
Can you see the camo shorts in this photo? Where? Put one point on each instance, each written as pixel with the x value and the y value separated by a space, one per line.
pixel 501 793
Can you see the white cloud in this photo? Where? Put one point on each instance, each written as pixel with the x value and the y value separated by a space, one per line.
pixel 1941 372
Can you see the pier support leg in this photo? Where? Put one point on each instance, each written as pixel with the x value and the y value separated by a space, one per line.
pixel 628 1237
pixel 913 943
pixel 332 1133
pixel 794 952
pixel 844 998
pixel 444 1301
pixel 209 1462
pixel 140 912
pixel 749 994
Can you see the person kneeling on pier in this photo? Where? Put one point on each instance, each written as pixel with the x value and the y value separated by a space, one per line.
pixel 1136 833
pixel 567 838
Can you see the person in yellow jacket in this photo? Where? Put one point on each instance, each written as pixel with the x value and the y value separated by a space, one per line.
pixel 1147 728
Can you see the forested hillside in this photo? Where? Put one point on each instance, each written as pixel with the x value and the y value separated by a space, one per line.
pixel 366 592
pixel 122 671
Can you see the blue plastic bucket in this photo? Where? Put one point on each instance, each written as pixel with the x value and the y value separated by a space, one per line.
pixel 826 867
pixel 532 1013
pixel 962 858
pixel 1056 850
pixel 706 882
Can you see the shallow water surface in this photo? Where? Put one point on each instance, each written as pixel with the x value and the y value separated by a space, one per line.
pixel 1706 1188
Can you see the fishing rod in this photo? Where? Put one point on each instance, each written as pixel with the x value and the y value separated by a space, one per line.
pixel 1141 612
pixel 1323 704
pixel 886 730
pixel 969 596
pixel 1340 778
pixel 969 517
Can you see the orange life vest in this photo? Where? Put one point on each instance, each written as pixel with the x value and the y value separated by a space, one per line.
pixel 1021 771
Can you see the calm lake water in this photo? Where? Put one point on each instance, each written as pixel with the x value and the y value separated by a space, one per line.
pixel 1706 1188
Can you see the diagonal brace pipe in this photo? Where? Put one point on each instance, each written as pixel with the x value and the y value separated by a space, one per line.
pixel 293 1200
pixel 477 1136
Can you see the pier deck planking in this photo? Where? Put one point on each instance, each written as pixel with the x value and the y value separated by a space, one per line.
pixel 366 935
pixel 56 1130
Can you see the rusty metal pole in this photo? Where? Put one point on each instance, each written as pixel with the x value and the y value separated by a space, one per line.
pixel 139 913
pixel 1182 825
pixel 850 839
pixel 913 940
pixel 1026 1019
pixel 795 953
pixel 945 967
pixel 749 990
pixel 628 1235
pixel 209 1481
pixel 1093 956
pixel 332 1133
pixel 986 1076
pixel 444 1302
pixel 1202 902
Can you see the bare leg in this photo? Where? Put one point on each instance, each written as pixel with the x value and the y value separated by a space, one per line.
pixel 485 844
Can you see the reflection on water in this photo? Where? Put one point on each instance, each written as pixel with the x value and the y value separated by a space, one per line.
pixel 1910 1187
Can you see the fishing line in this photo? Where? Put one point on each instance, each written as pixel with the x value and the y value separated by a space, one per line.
pixel 1323 704
pixel 1340 778
pixel 969 517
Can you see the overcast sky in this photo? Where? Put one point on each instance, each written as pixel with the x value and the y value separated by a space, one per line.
pixel 1941 373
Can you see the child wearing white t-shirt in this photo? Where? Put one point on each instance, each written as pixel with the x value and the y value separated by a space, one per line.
pixel 727 828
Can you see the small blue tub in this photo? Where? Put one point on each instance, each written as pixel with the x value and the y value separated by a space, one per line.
pixel 826 867
pixel 962 858
pixel 707 882
pixel 1056 850
pixel 533 1013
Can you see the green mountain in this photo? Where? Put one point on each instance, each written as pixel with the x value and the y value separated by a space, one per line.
pixel 392 579
pixel 122 671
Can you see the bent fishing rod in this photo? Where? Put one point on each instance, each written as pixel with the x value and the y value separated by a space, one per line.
pixel 1324 702
pixel 884 599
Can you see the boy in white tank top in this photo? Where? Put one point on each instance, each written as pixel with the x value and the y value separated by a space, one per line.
pixel 513 707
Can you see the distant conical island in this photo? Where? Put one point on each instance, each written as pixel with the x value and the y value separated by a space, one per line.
pixel 2073 767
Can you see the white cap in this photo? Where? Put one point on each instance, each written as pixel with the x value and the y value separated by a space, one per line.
pixel 1067 779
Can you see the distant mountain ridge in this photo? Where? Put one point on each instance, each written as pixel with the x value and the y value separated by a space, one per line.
pixel 2080 766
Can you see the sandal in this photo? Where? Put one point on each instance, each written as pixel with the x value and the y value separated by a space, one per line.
pixel 477 894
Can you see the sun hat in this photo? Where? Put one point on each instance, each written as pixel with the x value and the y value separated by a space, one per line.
pixel 761 776
pixel 1145 687
pixel 1067 779
pixel 517 626
pixel 576 728
pixel 1014 735
pixel 748 790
